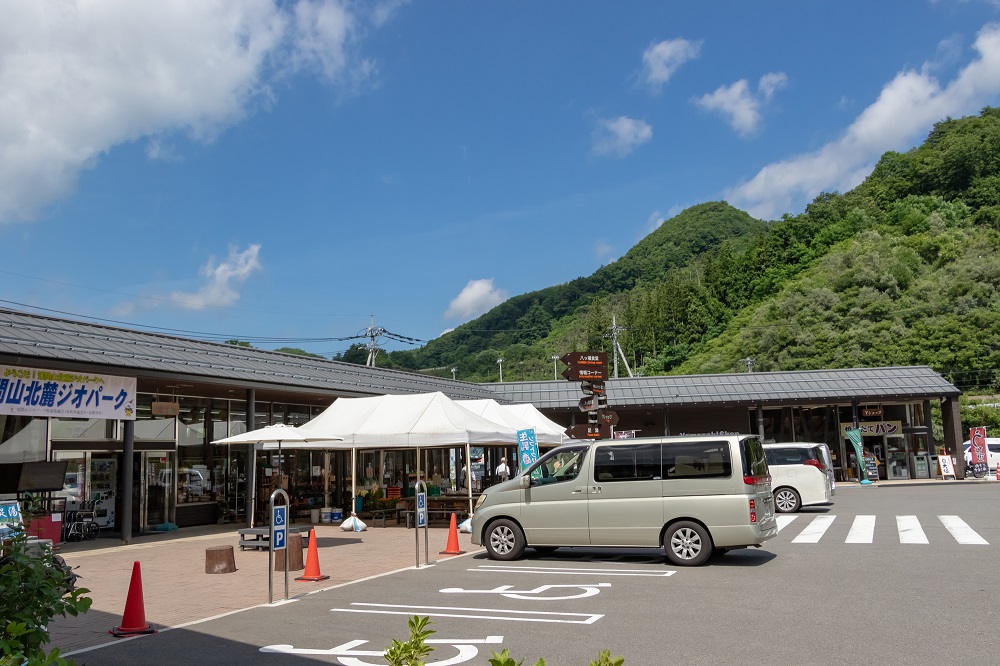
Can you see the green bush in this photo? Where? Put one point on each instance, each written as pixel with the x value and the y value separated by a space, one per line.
pixel 415 650
pixel 32 592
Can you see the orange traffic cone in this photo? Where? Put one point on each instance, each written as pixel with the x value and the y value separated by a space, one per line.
pixel 452 547
pixel 312 561
pixel 134 618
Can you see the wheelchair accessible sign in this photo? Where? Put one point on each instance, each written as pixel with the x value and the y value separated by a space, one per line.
pixel 421 509
pixel 279 523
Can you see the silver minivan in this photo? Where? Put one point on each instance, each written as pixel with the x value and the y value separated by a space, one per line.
pixel 689 495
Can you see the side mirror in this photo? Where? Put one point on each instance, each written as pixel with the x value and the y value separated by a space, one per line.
pixel 525 482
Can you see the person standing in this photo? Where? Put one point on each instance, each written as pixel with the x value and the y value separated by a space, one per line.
pixel 503 472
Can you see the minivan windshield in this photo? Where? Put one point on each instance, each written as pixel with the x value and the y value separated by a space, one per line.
pixel 558 465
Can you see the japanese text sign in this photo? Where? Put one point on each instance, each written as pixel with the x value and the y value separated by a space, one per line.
pixel 37 392
pixel 527 446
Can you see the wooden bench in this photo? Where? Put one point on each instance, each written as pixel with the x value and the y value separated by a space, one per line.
pixel 440 515
pixel 382 514
pixel 257 537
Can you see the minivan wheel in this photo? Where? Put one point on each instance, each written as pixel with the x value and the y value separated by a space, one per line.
pixel 504 540
pixel 687 544
pixel 786 500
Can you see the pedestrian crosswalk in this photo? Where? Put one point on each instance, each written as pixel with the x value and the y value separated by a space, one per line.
pixel 908 529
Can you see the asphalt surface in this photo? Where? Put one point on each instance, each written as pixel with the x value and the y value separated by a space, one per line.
pixel 833 587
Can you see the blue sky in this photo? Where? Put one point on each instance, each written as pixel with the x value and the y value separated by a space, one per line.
pixel 281 171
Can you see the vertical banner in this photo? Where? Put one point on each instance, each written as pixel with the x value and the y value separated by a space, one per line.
pixel 527 446
pixel 978 451
pixel 854 435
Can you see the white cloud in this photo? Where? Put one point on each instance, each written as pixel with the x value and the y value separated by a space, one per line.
pixel 477 297
pixel 741 105
pixel 219 288
pixel 620 136
pixel 653 221
pixel 603 250
pixel 221 280
pixel 662 59
pixel 906 108
pixel 80 78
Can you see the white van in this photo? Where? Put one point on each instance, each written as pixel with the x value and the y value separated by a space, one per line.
pixel 800 474
pixel 689 495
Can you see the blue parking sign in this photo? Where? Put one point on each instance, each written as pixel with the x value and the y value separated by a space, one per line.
pixel 421 509
pixel 280 527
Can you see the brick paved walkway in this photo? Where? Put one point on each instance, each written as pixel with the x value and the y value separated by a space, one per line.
pixel 176 589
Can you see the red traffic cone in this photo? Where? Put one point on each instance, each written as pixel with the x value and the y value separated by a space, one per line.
pixel 452 547
pixel 312 561
pixel 134 618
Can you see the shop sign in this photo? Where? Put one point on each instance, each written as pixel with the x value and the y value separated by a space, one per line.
pixel 166 408
pixel 978 450
pixel 38 392
pixel 874 429
pixel 10 515
pixel 872 412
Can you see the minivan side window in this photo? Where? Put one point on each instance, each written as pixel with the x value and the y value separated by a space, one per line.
pixel 633 462
pixel 558 467
pixel 697 460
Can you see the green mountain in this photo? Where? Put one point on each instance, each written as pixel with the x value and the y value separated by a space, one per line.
pixel 901 270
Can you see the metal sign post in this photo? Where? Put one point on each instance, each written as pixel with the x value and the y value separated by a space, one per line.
pixel 277 540
pixel 421 521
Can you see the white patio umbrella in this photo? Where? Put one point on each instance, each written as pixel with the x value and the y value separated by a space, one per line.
pixel 272 436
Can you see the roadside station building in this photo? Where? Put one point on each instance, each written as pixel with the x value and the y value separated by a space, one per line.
pixel 133 414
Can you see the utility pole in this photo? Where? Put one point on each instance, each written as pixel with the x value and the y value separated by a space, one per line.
pixel 500 363
pixel 749 362
pixel 616 350
pixel 555 358
pixel 373 333
pixel 453 370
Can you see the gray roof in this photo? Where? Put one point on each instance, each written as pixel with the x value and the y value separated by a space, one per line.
pixel 912 383
pixel 31 338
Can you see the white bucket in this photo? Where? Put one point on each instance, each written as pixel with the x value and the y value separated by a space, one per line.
pixel 314 516
pixel 325 515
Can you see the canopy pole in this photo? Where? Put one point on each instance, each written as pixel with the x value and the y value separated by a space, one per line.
pixel 354 480
pixel 326 479
pixel 418 467
pixel 468 473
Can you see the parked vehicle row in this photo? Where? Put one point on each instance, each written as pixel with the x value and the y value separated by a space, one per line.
pixel 801 475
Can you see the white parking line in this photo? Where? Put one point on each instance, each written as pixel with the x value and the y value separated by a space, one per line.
pixel 783 521
pixel 815 530
pixel 962 532
pixel 495 568
pixel 474 613
pixel 910 530
pixel 862 530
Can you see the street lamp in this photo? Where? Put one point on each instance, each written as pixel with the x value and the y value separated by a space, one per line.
pixel 500 363
pixel 554 357
pixel 453 372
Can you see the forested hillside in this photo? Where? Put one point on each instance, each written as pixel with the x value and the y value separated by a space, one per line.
pixel 901 270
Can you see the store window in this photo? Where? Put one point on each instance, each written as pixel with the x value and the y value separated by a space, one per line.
pixel 149 427
pixel 84 429
pixel 193 473
pixel 22 438
pixel 75 485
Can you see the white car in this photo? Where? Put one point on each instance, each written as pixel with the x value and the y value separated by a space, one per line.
pixel 992 458
pixel 800 475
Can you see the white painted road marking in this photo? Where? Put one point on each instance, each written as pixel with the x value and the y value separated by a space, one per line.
pixel 348 656
pixel 474 613
pixel 568 571
pixel 862 531
pixel 910 530
pixel 962 532
pixel 783 521
pixel 815 530
pixel 535 594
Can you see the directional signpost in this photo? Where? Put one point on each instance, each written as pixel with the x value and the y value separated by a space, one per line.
pixel 591 369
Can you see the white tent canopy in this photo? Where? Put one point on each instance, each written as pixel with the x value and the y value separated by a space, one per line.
pixel 541 423
pixel 546 431
pixel 404 421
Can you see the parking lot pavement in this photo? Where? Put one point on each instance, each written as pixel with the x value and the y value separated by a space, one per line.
pixel 176 590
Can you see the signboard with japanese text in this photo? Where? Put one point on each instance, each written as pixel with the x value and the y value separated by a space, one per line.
pixel 527 446
pixel 10 516
pixel 977 450
pixel 38 392
pixel 585 366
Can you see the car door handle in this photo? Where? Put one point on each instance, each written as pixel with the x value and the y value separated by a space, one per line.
pixel 578 490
